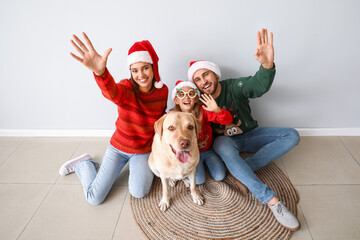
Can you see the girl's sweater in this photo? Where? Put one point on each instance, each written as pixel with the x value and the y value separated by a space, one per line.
pixel 138 112
pixel 205 137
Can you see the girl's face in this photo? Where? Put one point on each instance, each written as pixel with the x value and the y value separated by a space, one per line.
pixel 187 103
pixel 143 75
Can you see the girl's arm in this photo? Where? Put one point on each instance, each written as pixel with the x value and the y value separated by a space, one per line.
pixel 213 112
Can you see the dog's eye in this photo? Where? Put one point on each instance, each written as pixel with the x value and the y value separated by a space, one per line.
pixel 191 127
pixel 171 128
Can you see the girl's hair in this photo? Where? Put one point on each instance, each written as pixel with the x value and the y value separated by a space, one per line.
pixel 196 111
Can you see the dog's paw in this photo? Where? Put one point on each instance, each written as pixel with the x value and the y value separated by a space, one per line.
pixel 198 199
pixel 186 182
pixel 172 182
pixel 164 205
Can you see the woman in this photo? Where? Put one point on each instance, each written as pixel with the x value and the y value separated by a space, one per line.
pixel 141 100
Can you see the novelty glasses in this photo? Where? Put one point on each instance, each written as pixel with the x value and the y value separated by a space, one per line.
pixel 192 93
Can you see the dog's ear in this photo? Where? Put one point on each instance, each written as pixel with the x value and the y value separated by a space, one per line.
pixel 158 126
pixel 197 124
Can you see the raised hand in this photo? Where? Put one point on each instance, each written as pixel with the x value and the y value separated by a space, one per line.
pixel 209 103
pixel 265 49
pixel 90 58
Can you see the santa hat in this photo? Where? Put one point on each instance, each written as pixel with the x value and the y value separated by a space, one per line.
pixel 180 84
pixel 144 52
pixel 202 64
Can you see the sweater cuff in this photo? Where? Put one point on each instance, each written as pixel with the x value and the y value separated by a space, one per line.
pixel 272 69
pixel 267 72
pixel 103 79
pixel 266 69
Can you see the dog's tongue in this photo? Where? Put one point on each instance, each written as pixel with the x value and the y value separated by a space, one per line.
pixel 183 156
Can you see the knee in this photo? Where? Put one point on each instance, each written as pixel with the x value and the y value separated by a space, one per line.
pixel 139 192
pixel 219 176
pixel 293 136
pixel 222 144
pixel 200 180
pixel 95 200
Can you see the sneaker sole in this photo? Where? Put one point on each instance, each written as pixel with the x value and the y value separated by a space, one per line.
pixel 72 160
pixel 292 229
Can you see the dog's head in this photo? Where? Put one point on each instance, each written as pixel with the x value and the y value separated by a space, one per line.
pixel 178 133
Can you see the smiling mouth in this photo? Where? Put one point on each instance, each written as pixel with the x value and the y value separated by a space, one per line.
pixel 207 86
pixel 143 80
pixel 182 156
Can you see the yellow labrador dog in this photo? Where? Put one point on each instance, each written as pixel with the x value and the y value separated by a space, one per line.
pixel 175 153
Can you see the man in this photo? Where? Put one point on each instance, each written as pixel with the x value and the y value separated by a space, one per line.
pixel 244 134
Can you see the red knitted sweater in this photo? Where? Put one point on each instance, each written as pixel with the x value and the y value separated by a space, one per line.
pixel 138 112
pixel 205 136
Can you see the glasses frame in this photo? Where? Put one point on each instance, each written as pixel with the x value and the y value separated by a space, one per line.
pixel 178 91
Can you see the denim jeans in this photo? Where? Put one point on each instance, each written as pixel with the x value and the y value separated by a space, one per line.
pixel 214 164
pixel 97 185
pixel 267 144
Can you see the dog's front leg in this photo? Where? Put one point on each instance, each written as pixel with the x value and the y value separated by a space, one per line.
pixel 197 198
pixel 165 201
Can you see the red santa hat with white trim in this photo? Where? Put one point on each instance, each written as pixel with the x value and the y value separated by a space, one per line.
pixel 202 64
pixel 180 84
pixel 144 52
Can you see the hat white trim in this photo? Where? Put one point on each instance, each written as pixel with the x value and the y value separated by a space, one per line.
pixel 203 65
pixel 139 56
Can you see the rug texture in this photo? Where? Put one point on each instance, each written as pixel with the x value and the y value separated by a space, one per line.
pixel 226 214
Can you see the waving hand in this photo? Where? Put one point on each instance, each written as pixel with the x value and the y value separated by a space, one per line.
pixel 209 103
pixel 265 49
pixel 90 58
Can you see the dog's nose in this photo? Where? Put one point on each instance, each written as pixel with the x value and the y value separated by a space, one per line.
pixel 184 143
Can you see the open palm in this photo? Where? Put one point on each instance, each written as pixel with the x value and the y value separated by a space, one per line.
pixel 90 58
pixel 265 49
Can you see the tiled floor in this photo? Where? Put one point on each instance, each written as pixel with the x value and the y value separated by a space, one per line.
pixel 36 203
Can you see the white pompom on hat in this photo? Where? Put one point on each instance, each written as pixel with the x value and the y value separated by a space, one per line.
pixel 180 84
pixel 144 52
pixel 202 64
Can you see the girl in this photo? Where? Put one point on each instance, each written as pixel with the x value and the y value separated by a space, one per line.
pixel 186 97
pixel 141 100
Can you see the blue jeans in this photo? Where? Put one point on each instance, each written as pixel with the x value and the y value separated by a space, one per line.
pixel 214 164
pixel 267 144
pixel 98 184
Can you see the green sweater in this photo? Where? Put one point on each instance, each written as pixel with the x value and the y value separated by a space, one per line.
pixel 234 97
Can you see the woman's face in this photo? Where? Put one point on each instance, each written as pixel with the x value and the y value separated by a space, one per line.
pixel 187 103
pixel 143 75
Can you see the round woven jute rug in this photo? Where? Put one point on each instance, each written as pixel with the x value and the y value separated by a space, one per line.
pixel 226 214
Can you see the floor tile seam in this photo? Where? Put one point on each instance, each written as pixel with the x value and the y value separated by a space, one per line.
pixel 358 162
pixel 37 209
pixel 72 155
pixel 286 172
pixel 17 183
pixel 311 235
pixel 121 209
pixel 82 139
pixel 68 184
pixel 13 151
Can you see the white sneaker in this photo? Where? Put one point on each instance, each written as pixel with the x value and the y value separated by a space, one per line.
pixel 69 166
pixel 286 218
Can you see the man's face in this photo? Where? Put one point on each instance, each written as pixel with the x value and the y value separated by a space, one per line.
pixel 206 81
